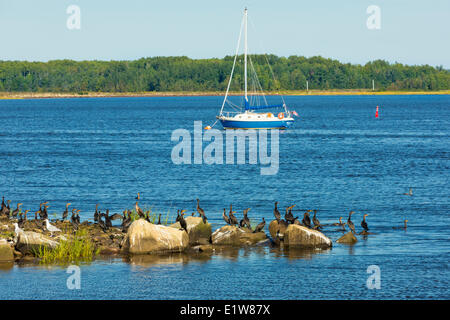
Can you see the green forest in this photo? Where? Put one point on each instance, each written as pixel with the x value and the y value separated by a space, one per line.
pixel 164 74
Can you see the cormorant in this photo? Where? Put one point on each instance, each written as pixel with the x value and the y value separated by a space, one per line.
pixel 289 217
pixel 74 219
pixel 116 216
pixel 8 208
pixel 108 219
pixel 66 212
pixel 233 219
pixel 297 222
pixel 159 219
pixel 276 213
pixel 44 213
pixel 126 222
pixel 225 217
pixel 96 213
pixel 183 223
pixel 22 218
pixel 404 227
pixel 306 219
pixel 201 212
pixel 350 223
pixel 316 221
pixel 246 219
pixel 364 223
pixel 16 211
pixel 260 226
pixel 410 193
pixel 139 211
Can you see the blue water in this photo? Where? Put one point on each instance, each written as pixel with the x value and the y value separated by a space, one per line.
pixel 336 158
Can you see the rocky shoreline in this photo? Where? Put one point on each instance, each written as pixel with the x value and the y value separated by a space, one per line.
pixel 147 239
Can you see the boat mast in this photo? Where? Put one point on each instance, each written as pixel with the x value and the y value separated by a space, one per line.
pixel 245 56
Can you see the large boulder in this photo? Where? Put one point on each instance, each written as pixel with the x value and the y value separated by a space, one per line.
pixel 6 252
pixel 348 238
pixel 30 242
pixel 144 237
pixel 299 236
pixel 199 232
pixel 234 236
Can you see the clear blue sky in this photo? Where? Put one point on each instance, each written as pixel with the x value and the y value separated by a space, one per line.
pixel 412 32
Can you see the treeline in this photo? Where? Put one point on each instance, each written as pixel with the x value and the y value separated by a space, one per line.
pixel 185 74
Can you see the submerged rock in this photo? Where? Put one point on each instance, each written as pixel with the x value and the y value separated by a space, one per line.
pixel 199 232
pixel 30 242
pixel 6 252
pixel 299 236
pixel 144 237
pixel 348 238
pixel 234 236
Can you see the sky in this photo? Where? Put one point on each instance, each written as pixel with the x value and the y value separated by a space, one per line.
pixel 411 32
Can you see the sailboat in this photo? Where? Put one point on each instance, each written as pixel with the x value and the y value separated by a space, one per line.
pixel 246 115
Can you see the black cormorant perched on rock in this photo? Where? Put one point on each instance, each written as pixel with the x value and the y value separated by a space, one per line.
pixel 7 209
pixel 126 222
pixel 44 213
pixel 159 219
pixel 340 224
pixel 201 212
pixel 139 211
pixel 289 217
pixel 66 212
pixel 107 219
pixel 96 213
pixel 364 223
pixel 225 217
pixel 16 211
pixel 276 213
pixel 182 222
pixel 233 219
pixel 316 221
pixel 246 220
pixel 306 221
pixel 74 220
pixel 260 226
pixel 350 223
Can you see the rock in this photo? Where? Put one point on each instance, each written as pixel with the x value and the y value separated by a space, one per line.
pixel 199 232
pixel 6 252
pixel 299 236
pixel 144 237
pixel 234 236
pixel 348 238
pixel 30 242
pixel 277 230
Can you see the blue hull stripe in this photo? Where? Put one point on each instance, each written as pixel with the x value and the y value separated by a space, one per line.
pixel 281 124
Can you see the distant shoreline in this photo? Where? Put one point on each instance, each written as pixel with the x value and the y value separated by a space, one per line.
pixel 50 95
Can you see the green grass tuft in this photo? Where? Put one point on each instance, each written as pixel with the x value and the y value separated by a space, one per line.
pixel 77 248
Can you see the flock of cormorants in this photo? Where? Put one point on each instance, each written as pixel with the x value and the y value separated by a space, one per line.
pixel 104 220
